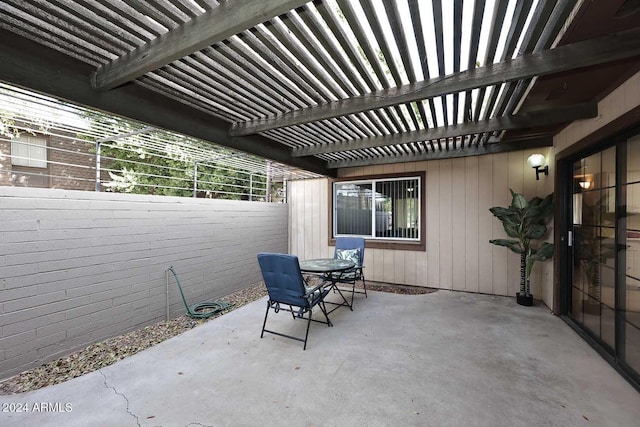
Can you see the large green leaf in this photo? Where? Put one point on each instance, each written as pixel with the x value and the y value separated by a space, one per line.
pixel 517 200
pixel 545 251
pixel 514 245
pixel 502 213
pixel 512 229
pixel 535 231
pixel 546 207
pixel 535 201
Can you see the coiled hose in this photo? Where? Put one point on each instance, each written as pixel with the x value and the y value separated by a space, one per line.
pixel 201 310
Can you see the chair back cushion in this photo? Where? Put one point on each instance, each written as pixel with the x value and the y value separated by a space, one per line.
pixel 283 279
pixel 352 255
pixel 350 243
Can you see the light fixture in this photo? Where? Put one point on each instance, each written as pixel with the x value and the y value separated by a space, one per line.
pixel 536 161
pixel 585 184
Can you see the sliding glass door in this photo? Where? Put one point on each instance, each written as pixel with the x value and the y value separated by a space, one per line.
pixel 603 293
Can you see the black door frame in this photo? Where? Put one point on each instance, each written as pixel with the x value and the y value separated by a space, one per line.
pixel 609 135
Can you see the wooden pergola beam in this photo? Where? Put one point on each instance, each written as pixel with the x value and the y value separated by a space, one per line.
pixel 497 147
pixel 213 26
pixel 563 58
pixel 33 66
pixel 519 121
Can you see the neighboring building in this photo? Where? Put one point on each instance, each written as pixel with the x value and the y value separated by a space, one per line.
pixel 47 161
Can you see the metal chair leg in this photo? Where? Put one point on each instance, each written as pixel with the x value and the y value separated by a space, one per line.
pixel 364 285
pixel 306 335
pixel 264 324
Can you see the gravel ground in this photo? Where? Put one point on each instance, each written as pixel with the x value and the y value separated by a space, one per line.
pixel 105 353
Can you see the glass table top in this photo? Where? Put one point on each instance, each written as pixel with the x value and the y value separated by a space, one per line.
pixel 325 265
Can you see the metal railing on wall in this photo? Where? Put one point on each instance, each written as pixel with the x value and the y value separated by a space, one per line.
pixel 88 150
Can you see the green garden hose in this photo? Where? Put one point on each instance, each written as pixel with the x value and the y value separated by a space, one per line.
pixel 201 310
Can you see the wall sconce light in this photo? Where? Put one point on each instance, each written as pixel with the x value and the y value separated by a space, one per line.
pixel 585 184
pixel 536 161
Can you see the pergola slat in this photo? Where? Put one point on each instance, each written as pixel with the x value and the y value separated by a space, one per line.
pixel 568 57
pixel 520 121
pixel 217 24
pixel 501 147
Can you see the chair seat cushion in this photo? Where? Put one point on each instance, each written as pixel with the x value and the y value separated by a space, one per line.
pixel 347 275
pixel 316 295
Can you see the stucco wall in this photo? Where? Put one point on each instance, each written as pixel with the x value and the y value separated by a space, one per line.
pixel 458 254
pixel 77 267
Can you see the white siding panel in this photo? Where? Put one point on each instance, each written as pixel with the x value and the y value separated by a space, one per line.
pixel 433 224
pixel 445 231
pixel 458 224
pixel 471 221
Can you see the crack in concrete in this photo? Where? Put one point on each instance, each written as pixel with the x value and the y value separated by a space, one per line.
pixel 123 396
pixel 198 424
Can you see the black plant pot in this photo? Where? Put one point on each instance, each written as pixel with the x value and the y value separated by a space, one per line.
pixel 524 299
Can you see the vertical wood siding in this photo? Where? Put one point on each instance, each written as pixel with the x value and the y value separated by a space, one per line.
pixel 77 267
pixel 458 256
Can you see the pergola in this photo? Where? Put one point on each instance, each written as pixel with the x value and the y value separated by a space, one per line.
pixel 329 84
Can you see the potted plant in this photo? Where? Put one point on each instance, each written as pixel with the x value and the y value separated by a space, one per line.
pixel 525 222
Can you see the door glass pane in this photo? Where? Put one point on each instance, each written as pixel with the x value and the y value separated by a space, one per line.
pixel 632 346
pixel 633 302
pixel 591 313
pixel 633 256
pixel 633 159
pixel 608 328
pixel 633 208
pixel 592 170
pixel 594 253
pixel 607 286
pixel 576 304
pixel 608 177
pixel 591 207
pixel 632 324
pixel 608 210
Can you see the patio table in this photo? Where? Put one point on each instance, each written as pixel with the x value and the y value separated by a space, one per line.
pixel 331 270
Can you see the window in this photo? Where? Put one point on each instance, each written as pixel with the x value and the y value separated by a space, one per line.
pixel 384 209
pixel 30 151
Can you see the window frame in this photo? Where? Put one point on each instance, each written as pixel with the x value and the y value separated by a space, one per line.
pixel 29 159
pixel 385 242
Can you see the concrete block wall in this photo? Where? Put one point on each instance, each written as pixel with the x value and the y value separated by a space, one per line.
pixel 77 267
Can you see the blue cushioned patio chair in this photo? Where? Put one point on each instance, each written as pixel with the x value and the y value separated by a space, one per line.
pixel 351 248
pixel 286 287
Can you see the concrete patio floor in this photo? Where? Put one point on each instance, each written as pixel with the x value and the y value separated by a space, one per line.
pixel 439 359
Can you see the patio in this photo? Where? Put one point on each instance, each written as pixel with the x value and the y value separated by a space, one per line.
pixel 445 358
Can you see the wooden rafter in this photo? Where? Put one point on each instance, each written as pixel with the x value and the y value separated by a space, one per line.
pixel 498 147
pixel 519 121
pixel 577 55
pixel 212 27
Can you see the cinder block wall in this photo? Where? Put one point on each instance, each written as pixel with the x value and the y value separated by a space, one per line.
pixel 77 267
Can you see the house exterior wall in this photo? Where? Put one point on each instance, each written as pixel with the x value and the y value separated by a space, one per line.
pixel 71 165
pixel 77 267
pixel 458 256
pixel 623 99
pixel 71 158
pixel 5 162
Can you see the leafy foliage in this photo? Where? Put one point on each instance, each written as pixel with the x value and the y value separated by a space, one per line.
pixel 525 222
pixel 166 168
